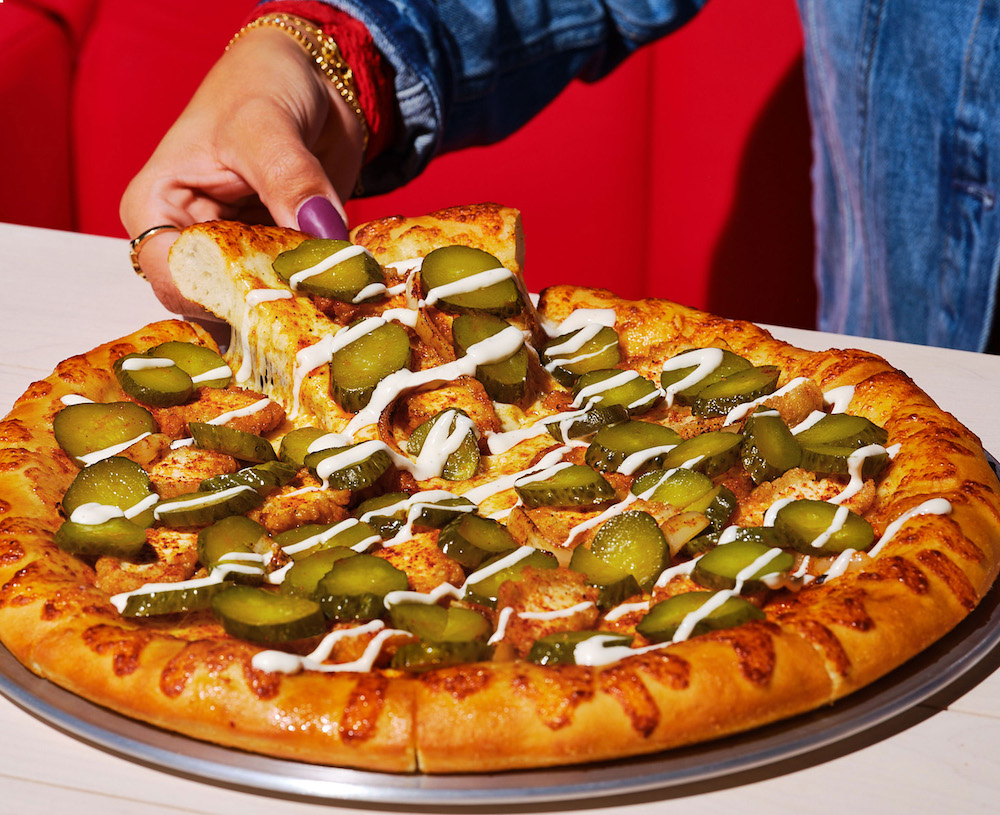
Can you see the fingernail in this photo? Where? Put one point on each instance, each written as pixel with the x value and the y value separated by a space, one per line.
pixel 319 217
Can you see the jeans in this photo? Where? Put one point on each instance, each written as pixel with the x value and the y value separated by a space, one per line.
pixel 904 98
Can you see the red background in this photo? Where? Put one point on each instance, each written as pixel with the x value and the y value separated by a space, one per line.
pixel 685 174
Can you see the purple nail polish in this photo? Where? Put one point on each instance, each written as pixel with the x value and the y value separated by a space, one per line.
pixel 319 217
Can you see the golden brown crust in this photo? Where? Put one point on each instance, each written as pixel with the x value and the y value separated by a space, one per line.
pixel 815 646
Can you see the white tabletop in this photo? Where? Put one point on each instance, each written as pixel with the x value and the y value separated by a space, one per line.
pixel 65 293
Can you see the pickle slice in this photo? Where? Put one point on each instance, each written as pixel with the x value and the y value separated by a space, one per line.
pixel 295 445
pixel 115 482
pixel 590 348
pixel 582 426
pixel 353 467
pixel 355 588
pixel 471 539
pixel 153 381
pixel 769 448
pixel 821 528
pixel 265 478
pixel 633 542
pixel 386 513
pixel 664 619
pixel 483 585
pixel 170 598
pixel 462 460
pixel 843 429
pixel 226 542
pixel 710 453
pixel 736 389
pixel 718 505
pixel 118 537
pixel 450 264
pixel 342 269
pixel 559 648
pixel 236 443
pixel 572 486
pixel 835 459
pixel 505 381
pixel 722 567
pixel 615 584
pixel 358 367
pixel 260 615
pixel 678 487
pixel 730 364
pixel 627 389
pixel 433 623
pixel 206 368
pixel 89 428
pixel 647 443
pixel 303 541
pixel 435 514
pixel 204 508
pixel 424 656
pixel 303 576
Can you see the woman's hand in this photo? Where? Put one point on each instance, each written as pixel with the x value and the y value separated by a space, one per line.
pixel 266 137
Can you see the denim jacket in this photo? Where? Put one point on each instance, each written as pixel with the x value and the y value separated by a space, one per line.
pixel 904 97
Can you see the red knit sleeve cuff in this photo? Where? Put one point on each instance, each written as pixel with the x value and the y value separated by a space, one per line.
pixel 372 73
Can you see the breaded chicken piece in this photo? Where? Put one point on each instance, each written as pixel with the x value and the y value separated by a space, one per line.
pixel 796 484
pixel 210 403
pixel 176 560
pixel 301 502
pixel 426 566
pixel 181 471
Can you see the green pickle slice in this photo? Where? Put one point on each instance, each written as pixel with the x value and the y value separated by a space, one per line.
pixel 572 486
pixel 434 623
pixel 228 542
pixel 196 361
pixel 471 539
pixel 303 576
pixel 821 528
pixel 731 363
pixel 579 352
pixel 586 424
pixel 92 427
pixel 615 584
pixel 611 446
pixel 460 464
pixel 116 482
pixel 450 264
pixel 342 281
pixel 835 459
pixel 303 541
pixel 295 444
pixel 169 598
pixel 236 443
pixel 711 453
pixel 664 619
pixel 422 656
pixel 260 615
pixel 720 567
pixel 677 487
pixel 358 367
pixel 736 389
pixel 769 447
pixel 344 469
pixel 633 392
pixel 634 543
pixel 718 505
pixel 155 381
pixel 505 381
pixel 844 430
pixel 355 588
pixel 386 513
pixel 559 648
pixel 204 508
pixel 265 478
pixel 118 537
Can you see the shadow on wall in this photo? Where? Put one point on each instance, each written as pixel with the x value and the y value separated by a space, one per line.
pixel 771 213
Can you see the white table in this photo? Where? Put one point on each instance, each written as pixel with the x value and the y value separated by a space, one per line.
pixel 65 293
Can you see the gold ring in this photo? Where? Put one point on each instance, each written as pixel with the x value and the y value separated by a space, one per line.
pixel 135 245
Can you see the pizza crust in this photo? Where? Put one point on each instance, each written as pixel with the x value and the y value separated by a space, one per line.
pixel 186 675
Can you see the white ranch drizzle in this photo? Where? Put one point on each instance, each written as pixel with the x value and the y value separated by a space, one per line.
pixel 556 614
pixel 283 662
pixel 513 558
pixel 577 319
pixel 431 598
pixel 215 373
pixel 626 608
pixel 501 630
pixel 415 504
pixel 840 565
pixel 200 501
pixel 328 262
pixel 596 651
pixel 839 399
pixel 839 519
pixel 95 513
pixel 368 292
pixel 322 537
pixel 479 494
pixel 75 399
pixel 741 411
pixel 705 360
pixel 615 509
pixel 249 410
pixel 813 418
pixel 113 450
pixel 855 464
pixel 584 397
pixel 502 442
pixel 146 363
pixel 213 578
pixel 633 462
pixel 933 506
pixel 254 299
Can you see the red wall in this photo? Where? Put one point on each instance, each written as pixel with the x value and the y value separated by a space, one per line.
pixel 684 174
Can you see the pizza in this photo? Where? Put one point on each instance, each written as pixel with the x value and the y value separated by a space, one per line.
pixel 416 519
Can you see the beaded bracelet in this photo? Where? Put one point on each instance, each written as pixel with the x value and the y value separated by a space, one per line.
pixel 324 51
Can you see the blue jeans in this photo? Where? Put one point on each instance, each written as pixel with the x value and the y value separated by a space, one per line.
pixel 905 102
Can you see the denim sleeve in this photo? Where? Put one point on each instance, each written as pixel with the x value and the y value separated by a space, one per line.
pixel 473 72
